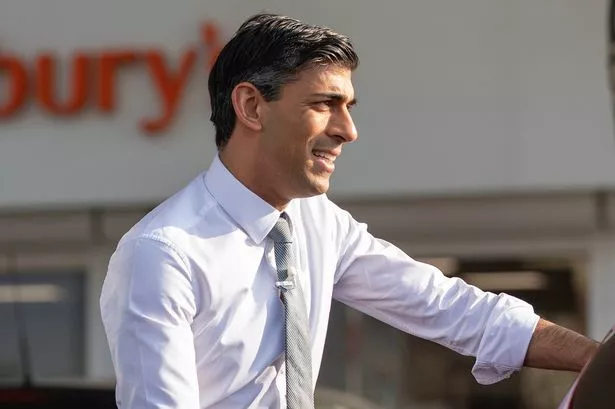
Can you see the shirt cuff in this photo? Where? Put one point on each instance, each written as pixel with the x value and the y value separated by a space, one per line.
pixel 507 336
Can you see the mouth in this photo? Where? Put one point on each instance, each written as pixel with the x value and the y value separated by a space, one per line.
pixel 324 159
pixel 325 155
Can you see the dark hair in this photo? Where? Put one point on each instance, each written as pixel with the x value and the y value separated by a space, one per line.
pixel 269 51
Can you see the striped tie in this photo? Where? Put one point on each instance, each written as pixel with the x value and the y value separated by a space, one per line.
pixel 299 394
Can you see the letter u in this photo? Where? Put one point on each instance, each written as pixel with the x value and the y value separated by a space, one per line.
pixel 78 83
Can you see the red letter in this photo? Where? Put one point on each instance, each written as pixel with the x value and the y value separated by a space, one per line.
pixel 109 63
pixel 18 90
pixel 45 75
pixel 210 35
pixel 169 86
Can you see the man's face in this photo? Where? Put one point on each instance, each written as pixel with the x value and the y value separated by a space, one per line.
pixel 304 130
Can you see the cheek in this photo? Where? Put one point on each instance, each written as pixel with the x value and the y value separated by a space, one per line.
pixel 295 136
pixel 313 126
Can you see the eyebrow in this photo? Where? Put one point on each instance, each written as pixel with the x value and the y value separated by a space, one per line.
pixel 336 96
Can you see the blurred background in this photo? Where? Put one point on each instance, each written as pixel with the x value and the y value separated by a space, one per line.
pixel 486 148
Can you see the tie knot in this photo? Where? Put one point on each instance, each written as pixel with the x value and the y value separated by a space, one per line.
pixel 281 231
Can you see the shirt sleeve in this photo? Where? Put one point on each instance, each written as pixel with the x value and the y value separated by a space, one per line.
pixel 380 280
pixel 147 306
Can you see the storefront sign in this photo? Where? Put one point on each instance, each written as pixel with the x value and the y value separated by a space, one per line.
pixel 91 80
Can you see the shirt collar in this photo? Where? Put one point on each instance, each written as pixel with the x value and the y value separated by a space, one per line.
pixel 255 216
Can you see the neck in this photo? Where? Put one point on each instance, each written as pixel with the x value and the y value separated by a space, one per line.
pixel 253 174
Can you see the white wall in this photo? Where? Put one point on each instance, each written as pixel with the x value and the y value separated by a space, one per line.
pixel 455 96
pixel 601 282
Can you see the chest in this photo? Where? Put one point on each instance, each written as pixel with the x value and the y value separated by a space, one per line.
pixel 239 304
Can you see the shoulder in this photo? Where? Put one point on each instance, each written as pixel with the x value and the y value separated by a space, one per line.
pixel 174 225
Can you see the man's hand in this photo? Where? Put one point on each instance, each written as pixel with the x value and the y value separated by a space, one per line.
pixel 555 347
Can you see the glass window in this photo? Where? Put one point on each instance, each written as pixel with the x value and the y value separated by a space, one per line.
pixel 42 325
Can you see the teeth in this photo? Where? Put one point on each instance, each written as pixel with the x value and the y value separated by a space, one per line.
pixel 324 155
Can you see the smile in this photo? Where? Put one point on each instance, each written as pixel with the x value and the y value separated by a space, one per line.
pixel 323 160
pixel 325 155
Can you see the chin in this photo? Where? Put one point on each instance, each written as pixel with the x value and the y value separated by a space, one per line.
pixel 320 191
pixel 320 187
pixel 313 187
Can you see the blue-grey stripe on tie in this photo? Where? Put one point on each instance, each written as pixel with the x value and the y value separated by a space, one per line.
pixel 299 394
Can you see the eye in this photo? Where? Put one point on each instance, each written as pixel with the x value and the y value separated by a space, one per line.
pixel 324 105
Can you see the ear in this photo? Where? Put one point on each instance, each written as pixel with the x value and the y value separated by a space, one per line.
pixel 247 101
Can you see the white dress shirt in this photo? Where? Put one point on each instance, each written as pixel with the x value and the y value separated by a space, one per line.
pixel 193 317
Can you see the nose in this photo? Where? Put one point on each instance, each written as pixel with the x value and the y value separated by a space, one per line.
pixel 341 126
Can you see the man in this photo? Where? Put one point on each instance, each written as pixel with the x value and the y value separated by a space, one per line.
pixel 220 297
